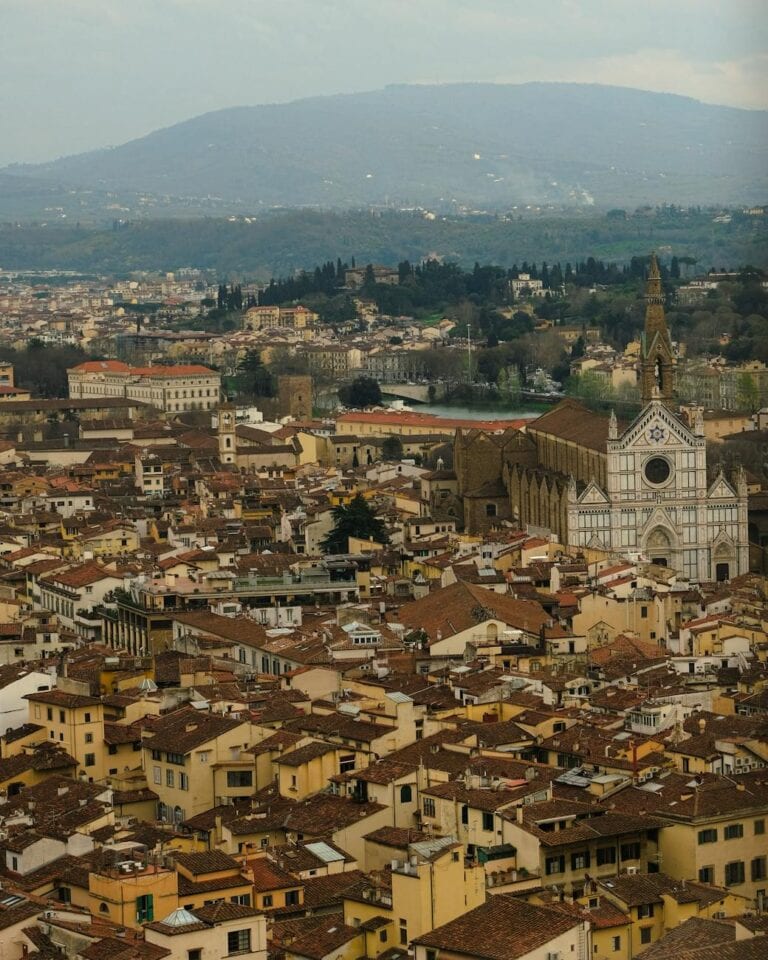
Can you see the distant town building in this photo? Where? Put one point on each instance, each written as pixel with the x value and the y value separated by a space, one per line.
pixel 295 317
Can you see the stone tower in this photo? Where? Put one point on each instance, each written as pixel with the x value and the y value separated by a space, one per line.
pixel 294 392
pixel 227 437
pixel 657 359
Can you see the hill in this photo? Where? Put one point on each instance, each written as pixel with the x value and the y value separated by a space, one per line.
pixel 447 147
pixel 280 243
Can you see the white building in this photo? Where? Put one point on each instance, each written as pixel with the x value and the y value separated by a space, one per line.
pixel 172 389
pixel 657 499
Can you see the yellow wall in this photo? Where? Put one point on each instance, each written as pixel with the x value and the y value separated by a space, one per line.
pixel 112 896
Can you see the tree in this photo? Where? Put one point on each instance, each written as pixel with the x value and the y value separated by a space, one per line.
pixel 392 448
pixel 362 392
pixel 355 519
pixel 255 378
pixel 510 384
pixel 747 393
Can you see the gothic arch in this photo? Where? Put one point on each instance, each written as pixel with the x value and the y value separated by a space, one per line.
pixel 660 544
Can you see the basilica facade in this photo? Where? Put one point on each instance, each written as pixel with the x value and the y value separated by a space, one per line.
pixel 635 489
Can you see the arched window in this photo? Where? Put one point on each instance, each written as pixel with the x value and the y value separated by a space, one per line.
pixel 103 908
pixel 406 793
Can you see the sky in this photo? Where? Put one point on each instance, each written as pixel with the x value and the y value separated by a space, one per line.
pixel 77 75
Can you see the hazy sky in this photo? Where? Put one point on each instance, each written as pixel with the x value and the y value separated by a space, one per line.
pixel 78 74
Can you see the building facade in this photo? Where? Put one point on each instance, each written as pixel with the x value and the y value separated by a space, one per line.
pixel 172 389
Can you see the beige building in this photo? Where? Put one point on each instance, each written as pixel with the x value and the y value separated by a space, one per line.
pixel 196 760
pixel 172 389
pixel 295 317
pixel 211 932
pixel 74 722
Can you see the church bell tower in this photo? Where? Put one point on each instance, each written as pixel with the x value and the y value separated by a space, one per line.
pixel 657 359
pixel 226 433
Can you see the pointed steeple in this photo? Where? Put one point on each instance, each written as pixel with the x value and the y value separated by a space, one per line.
pixel 656 356
pixel 613 427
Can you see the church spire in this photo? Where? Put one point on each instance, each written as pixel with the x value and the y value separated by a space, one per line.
pixel 656 356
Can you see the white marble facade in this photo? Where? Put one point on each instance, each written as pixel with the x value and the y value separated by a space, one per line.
pixel 658 504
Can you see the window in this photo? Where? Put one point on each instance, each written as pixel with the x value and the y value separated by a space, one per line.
pixel 429 806
pixel 15 864
pixel 177 758
pixel 615 944
pixel 657 470
pixel 204 754
pixel 62 717
pixel 90 760
pixel 606 855
pixel 183 781
pixel 403 933
pixel 111 749
pixel 244 899
pixel 239 778
pixel 266 900
pixel 87 718
pixel 580 861
pixel 144 908
pixel 490 509
pixel 156 755
pixel 169 778
pixel 645 911
pixel 733 831
pixel 707 836
pixel 465 814
pixel 406 793
pixel 630 851
pixel 195 954
pixel 645 934
pixel 157 775
pixel 707 875
pixel 734 873
pixel 759 827
pixel 757 869
pixel 89 738
pixel 49 713
pixel 346 763
pixel 291 898
pixel 239 941
pixel 554 865
pixel 487 821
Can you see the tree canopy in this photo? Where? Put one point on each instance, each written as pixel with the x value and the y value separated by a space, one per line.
pixel 362 392
pixel 355 519
pixel 392 448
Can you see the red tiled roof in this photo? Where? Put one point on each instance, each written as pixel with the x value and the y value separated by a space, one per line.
pixel 429 420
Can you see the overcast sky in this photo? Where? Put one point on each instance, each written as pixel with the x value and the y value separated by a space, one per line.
pixel 79 74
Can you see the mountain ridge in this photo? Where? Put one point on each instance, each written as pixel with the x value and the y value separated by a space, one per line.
pixel 447 146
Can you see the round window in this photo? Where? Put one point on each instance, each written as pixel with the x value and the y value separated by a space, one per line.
pixel 657 470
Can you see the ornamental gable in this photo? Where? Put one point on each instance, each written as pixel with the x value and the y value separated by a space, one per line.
pixel 656 427
pixel 592 495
